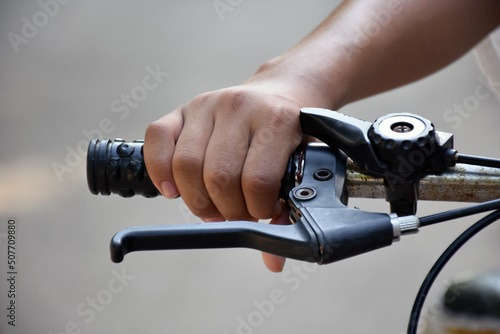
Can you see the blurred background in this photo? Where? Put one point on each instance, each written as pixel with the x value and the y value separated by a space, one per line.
pixel 62 82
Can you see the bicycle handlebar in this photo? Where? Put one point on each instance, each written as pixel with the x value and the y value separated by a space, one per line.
pixel 117 167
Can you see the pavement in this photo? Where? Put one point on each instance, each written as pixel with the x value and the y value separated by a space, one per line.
pixel 65 68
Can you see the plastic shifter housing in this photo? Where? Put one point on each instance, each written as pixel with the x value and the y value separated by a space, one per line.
pixel 118 167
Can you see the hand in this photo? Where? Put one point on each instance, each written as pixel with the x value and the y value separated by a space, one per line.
pixel 225 153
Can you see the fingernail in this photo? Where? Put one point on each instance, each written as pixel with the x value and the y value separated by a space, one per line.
pixel 169 189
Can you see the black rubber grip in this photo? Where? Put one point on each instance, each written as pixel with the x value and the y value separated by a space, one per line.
pixel 117 167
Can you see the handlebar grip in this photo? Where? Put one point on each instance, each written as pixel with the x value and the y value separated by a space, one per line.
pixel 118 167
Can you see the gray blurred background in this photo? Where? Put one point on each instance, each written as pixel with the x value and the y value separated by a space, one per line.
pixel 57 87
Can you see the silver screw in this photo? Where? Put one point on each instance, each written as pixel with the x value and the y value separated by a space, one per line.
pixel 304 193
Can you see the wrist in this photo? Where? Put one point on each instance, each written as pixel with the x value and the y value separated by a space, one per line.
pixel 305 82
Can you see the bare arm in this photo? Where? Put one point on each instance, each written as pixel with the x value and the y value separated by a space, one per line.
pixel 367 47
pixel 225 151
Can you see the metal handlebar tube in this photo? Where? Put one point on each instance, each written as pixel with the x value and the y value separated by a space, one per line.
pixel 461 183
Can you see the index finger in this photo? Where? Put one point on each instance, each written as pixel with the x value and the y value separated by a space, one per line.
pixel 159 146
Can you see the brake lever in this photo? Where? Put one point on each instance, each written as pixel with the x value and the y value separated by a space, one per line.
pixel 323 228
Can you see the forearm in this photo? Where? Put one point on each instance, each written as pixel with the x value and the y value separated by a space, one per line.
pixel 367 47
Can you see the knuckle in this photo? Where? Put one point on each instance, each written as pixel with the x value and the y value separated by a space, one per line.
pixel 153 129
pixel 155 161
pixel 202 101
pixel 236 99
pixel 152 137
pixel 203 209
pixel 200 205
pixel 261 193
pixel 279 113
pixel 283 118
pixel 260 183
pixel 218 180
pixel 280 122
pixel 263 138
pixel 187 162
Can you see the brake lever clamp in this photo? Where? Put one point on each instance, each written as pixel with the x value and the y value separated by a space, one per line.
pixel 320 203
pixel 323 228
pixel 400 148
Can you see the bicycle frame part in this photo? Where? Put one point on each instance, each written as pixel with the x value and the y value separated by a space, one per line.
pixel 461 183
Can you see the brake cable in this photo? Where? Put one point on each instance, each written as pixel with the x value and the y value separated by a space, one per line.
pixel 441 262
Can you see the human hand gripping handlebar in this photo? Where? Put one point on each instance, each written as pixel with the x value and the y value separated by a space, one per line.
pixel 399 156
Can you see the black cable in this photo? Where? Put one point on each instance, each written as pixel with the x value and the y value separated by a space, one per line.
pixel 459 213
pixel 441 262
pixel 476 160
